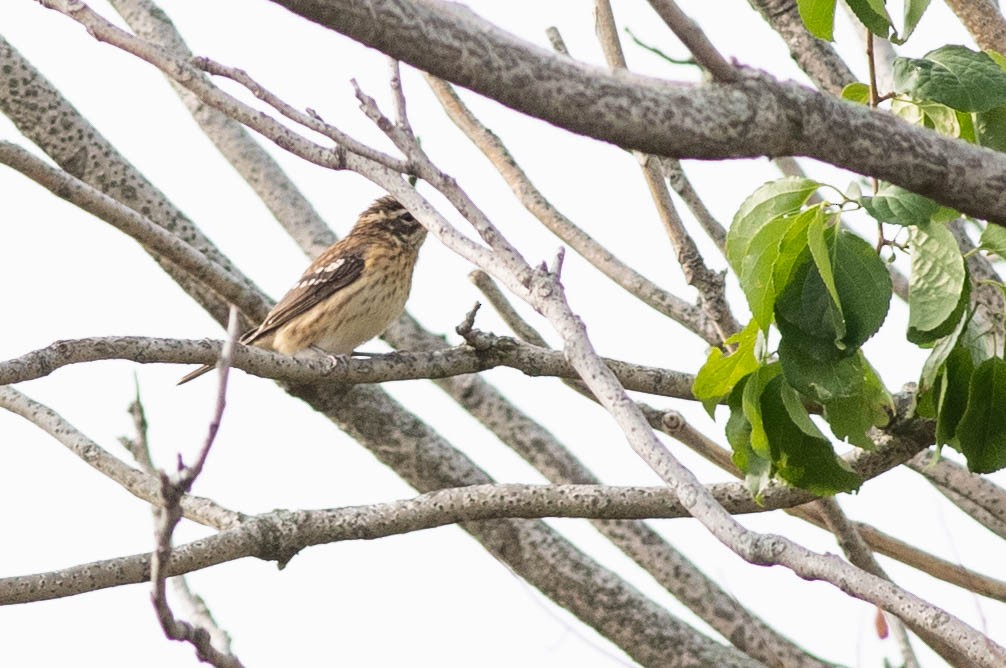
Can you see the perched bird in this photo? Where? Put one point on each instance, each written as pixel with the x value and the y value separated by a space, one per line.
pixel 350 293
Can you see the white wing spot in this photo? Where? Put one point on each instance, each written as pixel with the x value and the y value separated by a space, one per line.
pixel 332 266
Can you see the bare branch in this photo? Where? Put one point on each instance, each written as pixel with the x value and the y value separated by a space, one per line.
pixel 815 57
pixel 859 553
pixel 984 20
pixel 138 483
pixel 535 201
pixel 262 173
pixel 948 476
pixel 756 116
pixel 195 608
pixel 173 488
pixel 151 236
pixel 710 285
pixel 493 351
pixel 505 309
pixel 675 175
pixel 695 39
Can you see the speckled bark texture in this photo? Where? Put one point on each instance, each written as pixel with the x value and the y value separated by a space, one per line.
pixel 50 121
pixel 757 116
pixel 563 573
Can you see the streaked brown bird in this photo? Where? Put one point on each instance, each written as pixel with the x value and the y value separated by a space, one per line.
pixel 350 293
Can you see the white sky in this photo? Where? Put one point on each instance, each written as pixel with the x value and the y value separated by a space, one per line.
pixel 442 598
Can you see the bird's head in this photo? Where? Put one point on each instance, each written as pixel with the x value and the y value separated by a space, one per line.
pixel 390 219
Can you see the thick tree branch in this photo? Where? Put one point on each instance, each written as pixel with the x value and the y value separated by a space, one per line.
pixel 281 534
pixel 984 20
pixel 45 117
pixel 757 116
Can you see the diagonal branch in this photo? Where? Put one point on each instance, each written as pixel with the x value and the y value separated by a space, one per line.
pixel 262 173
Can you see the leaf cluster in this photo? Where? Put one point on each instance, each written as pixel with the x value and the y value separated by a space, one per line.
pixel 820 292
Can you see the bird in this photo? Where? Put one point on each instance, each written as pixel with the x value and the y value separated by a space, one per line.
pixel 351 292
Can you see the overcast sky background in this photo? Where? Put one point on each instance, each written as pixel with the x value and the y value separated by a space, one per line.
pixel 429 597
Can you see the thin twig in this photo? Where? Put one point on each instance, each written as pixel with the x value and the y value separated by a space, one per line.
pixel 173 488
pixel 195 607
pixel 710 285
pixel 251 160
pixel 535 202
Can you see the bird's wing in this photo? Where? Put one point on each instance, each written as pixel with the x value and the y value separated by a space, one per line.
pixel 319 282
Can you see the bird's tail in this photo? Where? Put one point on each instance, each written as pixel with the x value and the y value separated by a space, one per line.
pixel 195 374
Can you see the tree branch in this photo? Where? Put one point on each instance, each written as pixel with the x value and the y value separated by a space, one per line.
pixel 259 170
pixel 490 351
pixel 757 116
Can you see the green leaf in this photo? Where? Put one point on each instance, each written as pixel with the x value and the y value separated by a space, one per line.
pixel 765 269
pixel 857 92
pixel 851 417
pixel 937 284
pixel 793 251
pixel 981 432
pixel 757 470
pixel 819 17
pixel 770 201
pixel 806 312
pixel 914 9
pixel 756 273
pixel 873 15
pixel 819 237
pixel 802 460
pixel 951 391
pixel 977 340
pixel 942 118
pixel 999 58
pixel 956 76
pixel 993 239
pixel 944 215
pixel 990 128
pixel 909 111
pixel 894 204
pixel 823 379
pixel 750 403
pixel 941 351
pixel 718 376
pixel 968 131
pixel 797 412
pixel 864 287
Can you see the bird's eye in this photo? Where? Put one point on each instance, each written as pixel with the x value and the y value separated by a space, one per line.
pixel 407 217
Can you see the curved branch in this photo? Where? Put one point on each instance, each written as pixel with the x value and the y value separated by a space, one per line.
pixel 535 201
